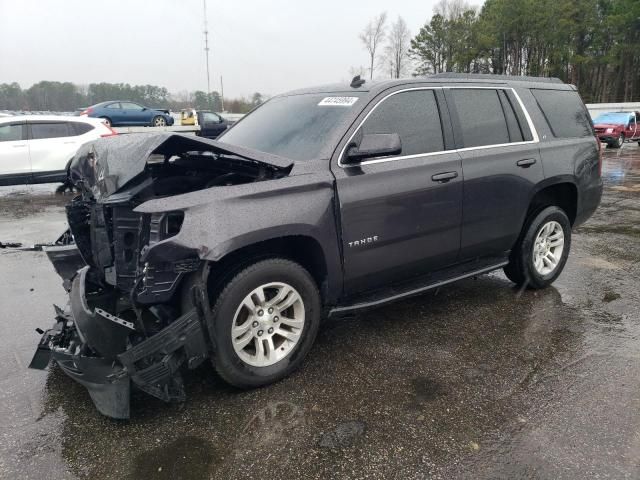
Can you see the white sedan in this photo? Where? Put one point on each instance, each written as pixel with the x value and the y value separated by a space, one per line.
pixel 38 148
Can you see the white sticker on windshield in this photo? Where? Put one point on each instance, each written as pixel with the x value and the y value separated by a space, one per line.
pixel 338 101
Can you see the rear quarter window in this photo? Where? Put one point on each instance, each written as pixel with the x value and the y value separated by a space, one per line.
pixel 565 113
pixel 80 128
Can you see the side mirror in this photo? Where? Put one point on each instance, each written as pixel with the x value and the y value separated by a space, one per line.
pixel 375 145
pixel 144 109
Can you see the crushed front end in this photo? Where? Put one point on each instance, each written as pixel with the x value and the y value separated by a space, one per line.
pixel 138 306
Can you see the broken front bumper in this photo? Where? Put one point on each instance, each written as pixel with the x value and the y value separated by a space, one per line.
pixel 94 348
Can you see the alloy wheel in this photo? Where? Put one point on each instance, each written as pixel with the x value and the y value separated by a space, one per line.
pixel 268 324
pixel 548 247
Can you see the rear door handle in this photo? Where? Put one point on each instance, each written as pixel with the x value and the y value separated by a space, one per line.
pixel 19 146
pixel 526 162
pixel 444 177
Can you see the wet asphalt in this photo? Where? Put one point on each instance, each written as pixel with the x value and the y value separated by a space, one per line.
pixel 475 380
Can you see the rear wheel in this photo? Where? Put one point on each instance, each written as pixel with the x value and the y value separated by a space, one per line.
pixel 159 121
pixel 106 121
pixel 542 251
pixel 264 322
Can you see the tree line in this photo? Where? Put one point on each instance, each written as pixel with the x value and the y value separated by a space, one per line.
pixel 593 44
pixel 68 97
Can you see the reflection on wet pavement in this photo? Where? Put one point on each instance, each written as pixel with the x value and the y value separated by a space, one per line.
pixel 475 380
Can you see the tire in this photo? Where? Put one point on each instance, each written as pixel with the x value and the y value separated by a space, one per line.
pixel 243 366
pixel 522 269
pixel 107 121
pixel 159 121
pixel 619 142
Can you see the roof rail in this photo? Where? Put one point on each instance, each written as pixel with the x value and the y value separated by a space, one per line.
pixel 489 77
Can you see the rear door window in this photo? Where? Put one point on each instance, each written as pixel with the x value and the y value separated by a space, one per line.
pixel 480 116
pixel 414 116
pixel 12 132
pixel 130 106
pixel 40 131
pixel 565 113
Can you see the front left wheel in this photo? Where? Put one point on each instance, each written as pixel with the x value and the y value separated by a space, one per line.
pixel 264 323
pixel 159 121
pixel 619 141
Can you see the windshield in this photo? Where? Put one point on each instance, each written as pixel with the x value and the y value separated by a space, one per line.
pixel 295 126
pixel 612 118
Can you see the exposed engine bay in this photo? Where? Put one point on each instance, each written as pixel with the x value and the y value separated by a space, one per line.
pixel 137 302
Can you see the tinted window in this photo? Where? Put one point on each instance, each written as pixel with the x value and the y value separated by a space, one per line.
pixel 130 106
pixel 80 128
pixel 482 121
pixel 50 130
pixel 414 116
pixel 564 112
pixel 209 117
pixel 515 134
pixel 10 133
pixel 113 105
pixel 293 126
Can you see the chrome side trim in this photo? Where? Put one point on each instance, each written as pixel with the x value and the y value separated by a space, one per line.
pixel 532 128
pixel 415 291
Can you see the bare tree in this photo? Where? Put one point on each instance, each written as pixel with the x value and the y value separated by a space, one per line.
pixel 372 36
pixel 452 9
pixel 397 49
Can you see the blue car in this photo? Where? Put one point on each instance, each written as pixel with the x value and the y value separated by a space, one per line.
pixel 123 113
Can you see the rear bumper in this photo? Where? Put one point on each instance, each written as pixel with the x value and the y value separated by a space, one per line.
pixel 95 350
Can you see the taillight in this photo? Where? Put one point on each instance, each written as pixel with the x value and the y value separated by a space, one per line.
pixel 87 111
pixel 111 133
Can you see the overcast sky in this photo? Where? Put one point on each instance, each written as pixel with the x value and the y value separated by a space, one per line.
pixel 266 46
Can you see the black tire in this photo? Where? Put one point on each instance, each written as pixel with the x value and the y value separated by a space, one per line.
pixel 619 142
pixel 158 121
pixel 107 121
pixel 520 269
pixel 225 360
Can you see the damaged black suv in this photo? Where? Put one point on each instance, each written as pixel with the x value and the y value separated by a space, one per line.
pixel 320 202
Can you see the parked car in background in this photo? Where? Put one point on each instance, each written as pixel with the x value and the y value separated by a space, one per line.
pixel 614 128
pixel 123 113
pixel 318 203
pixel 38 148
pixel 211 124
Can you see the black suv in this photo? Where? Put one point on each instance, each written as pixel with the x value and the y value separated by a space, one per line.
pixel 318 203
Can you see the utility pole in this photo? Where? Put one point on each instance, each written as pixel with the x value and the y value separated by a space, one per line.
pixel 221 94
pixel 206 46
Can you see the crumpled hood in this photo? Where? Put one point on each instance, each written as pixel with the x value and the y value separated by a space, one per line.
pixel 107 164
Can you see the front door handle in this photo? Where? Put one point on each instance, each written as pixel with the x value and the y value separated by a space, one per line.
pixel 526 163
pixel 19 146
pixel 444 177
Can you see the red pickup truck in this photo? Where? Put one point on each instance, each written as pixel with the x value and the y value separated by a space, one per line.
pixel 614 128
